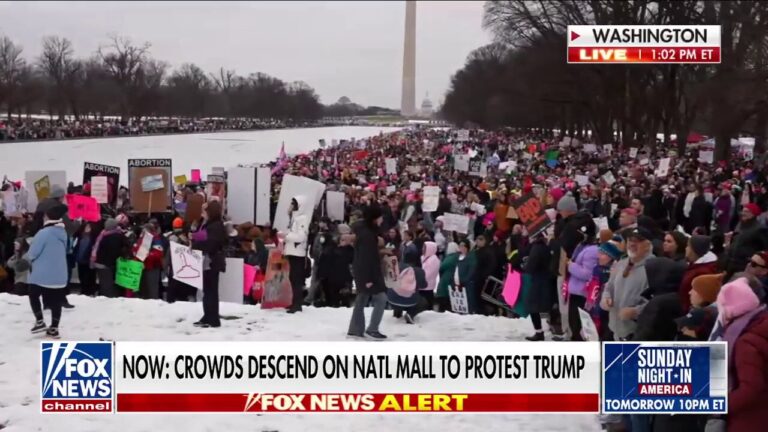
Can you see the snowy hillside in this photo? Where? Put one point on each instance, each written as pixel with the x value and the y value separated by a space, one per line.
pixel 131 319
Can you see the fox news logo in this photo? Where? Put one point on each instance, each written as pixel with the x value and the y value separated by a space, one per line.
pixel 76 377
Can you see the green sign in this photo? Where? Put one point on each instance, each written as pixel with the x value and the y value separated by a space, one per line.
pixel 128 274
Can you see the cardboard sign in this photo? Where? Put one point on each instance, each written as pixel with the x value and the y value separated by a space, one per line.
pixel 531 213
pixel 180 179
pixel 511 213
pixel 156 201
pixel 187 265
pixel 431 198
pixel 609 178
pixel 391 165
pixel 456 223
pixel 83 207
pixel 152 183
pixel 459 302
pixel 194 210
pixel 334 205
pixel 277 286
pixel 100 189
pixel 128 274
pixel 93 170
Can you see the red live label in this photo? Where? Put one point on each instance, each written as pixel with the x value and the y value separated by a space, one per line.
pixel 644 55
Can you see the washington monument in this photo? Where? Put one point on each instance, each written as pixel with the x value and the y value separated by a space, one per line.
pixel 408 101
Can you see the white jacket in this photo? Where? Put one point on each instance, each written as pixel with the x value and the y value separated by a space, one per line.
pixel 298 231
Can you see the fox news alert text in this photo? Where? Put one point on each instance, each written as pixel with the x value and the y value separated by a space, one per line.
pixel 643 44
pixel 473 377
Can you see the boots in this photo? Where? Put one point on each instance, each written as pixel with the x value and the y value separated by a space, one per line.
pixel 537 337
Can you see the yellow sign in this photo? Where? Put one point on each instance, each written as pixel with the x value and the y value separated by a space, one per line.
pixel 43 188
pixel 180 180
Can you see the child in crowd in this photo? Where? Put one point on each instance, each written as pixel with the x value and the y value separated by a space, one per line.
pixel 607 254
pixel 698 323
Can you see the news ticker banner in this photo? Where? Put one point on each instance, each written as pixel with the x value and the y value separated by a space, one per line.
pixel 648 44
pixel 665 377
pixel 265 377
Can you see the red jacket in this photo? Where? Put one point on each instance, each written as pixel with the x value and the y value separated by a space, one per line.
pixel 154 260
pixel 747 411
pixel 694 271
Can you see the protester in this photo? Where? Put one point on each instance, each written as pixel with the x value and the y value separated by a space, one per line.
pixel 580 270
pixel 656 321
pixel 750 237
pixel 447 269
pixel 608 253
pixel 211 239
pixel 698 323
pixel 405 295
pixel 296 239
pixel 675 244
pixel 431 265
pixel 48 258
pixel 110 245
pixel 368 276
pixel 701 261
pixel 149 249
pixel 542 299
pixel 464 278
pixel 486 266
pixel 758 267
pixel 85 274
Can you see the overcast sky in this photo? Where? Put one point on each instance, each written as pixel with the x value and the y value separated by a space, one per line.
pixel 349 49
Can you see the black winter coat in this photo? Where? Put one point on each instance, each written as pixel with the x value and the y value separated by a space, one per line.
pixel 543 293
pixel 214 245
pixel 111 247
pixel 486 265
pixel 366 265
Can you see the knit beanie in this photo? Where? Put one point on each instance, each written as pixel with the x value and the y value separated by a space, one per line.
pixel 708 286
pixel 700 244
pixel 611 249
pixel 735 299
pixel 567 204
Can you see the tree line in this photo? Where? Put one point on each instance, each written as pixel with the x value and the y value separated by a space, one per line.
pixel 123 79
pixel 522 79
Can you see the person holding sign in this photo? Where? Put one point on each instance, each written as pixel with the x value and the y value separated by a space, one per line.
pixel 211 239
pixel 295 243
pixel 50 275
pixel 368 275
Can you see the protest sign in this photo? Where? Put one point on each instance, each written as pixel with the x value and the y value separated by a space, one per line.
pixel 461 162
pixel 10 206
pixel 582 180
pixel 294 186
pixel 566 142
pixel 187 265
pixel 644 161
pixel 663 168
pixel 334 204
pixel 391 271
pixel 196 176
pixel 277 287
pixel 157 200
pixel 456 222
pixel 248 195
pixel 100 189
pixel 84 207
pixel 431 198
pixel 590 148
pixel 40 184
pixel 151 183
pixel 216 188
pixel 413 169
pixel 609 178
pixel 231 281
pixel 112 173
pixel 391 165
pixel 478 168
pixel 459 302
pixel 194 210
pixel 415 186
pixel 749 154
pixel 219 171
pixel 250 274
pixel 391 189
pixel 633 152
pixel 128 274
pixel 180 180
pixel 462 135
pixel 531 214
pixel 706 156
pixel 144 247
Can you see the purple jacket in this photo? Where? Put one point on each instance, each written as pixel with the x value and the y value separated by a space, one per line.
pixel 723 210
pixel 581 268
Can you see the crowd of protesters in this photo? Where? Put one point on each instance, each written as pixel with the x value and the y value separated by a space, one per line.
pixel 33 129
pixel 643 252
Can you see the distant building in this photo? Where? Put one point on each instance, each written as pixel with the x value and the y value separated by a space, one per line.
pixel 426 107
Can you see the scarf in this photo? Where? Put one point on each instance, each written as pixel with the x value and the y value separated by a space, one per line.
pixel 731 332
pixel 102 234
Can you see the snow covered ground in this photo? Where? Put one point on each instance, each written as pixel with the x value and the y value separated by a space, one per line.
pixel 132 319
pixel 188 151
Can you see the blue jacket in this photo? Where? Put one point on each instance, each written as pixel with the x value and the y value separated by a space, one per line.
pixel 48 256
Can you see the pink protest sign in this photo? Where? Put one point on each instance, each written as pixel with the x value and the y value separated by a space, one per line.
pixel 249 276
pixel 195 176
pixel 512 285
pixel 83 207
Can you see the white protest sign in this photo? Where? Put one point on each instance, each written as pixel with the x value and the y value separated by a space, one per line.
pixel 334 203
pixel 455 222
pixel 663 168
pixel 415 186
pixel 431 198
pixel 582 180
pixel 706 156
pixel 187 265
pixel 644 161
pixel 590 148
pixel 391 164
pixel 294 186
pixel 100 189
pixel 609 178
pixel 749 154
pixel 601 223
pixel 152 183
pixel 633 152
pixel 391 189
pixel 413 169
pixel 144 247
pixel 478 168
pixel 459 303
pixel 461 162
pixel 462 135
pixel 565 142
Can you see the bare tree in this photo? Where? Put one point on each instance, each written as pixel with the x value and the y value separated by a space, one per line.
pixel 58 65
pixel 11 67
pixel 123 60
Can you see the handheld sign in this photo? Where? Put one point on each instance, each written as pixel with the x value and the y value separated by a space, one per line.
pixel 128 274
pixel 531 214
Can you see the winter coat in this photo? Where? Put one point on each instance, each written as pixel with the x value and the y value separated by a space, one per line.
pixel 110 248
pixel 298 231
pixel 746 399
pixel 568 235
pixel 212 244
pixel 333 265
pixel 447 269
pixel 723 211
pixel 626 292
pixel 366 265
pixel 410 281
pixel 707 264
pixel 154 260
pixel 543 294
pixel 751 238
pixel 431 265
pixel 43 206
pixel 84 249
pixel 467 269
pixel 48 256
pixel 664 276
pixel 657 320
pixel 701 214
pixel 580 269
pixel 486 265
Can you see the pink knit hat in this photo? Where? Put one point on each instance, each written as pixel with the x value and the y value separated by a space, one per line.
pixel 735 299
